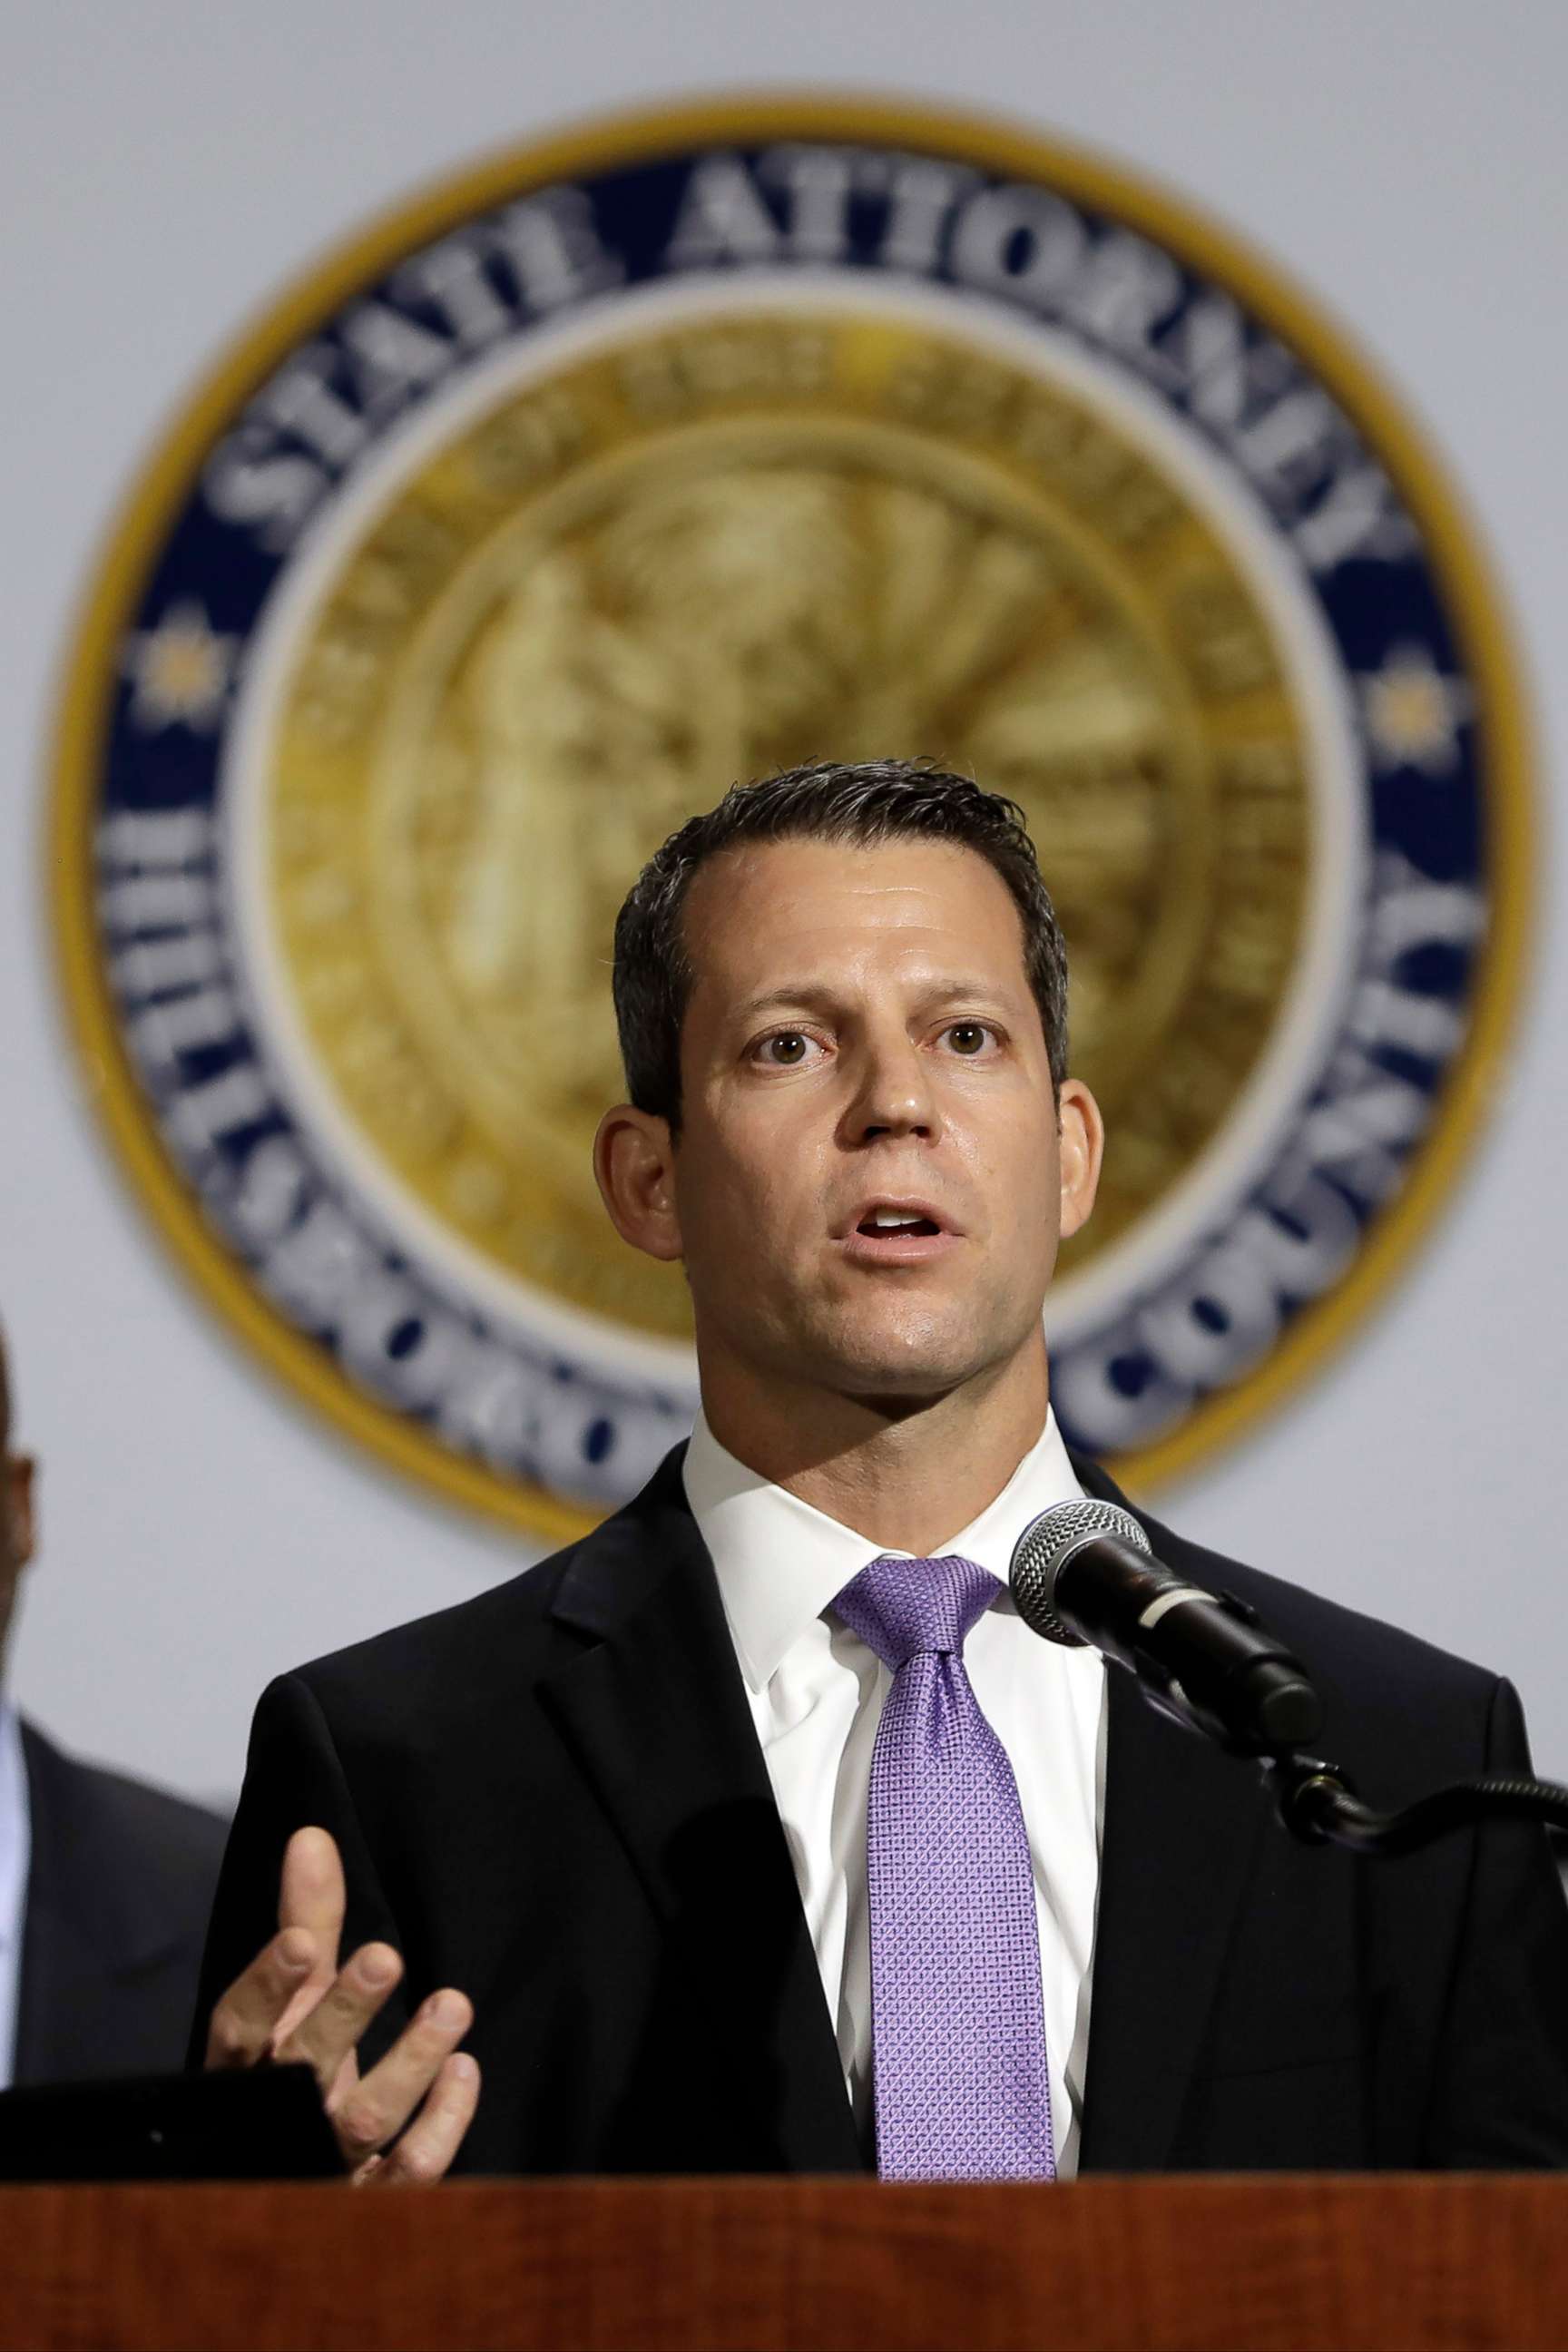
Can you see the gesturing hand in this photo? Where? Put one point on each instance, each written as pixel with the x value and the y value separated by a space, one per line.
pixel 295 2003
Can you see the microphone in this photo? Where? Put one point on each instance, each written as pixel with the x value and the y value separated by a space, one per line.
pixel 1084 1573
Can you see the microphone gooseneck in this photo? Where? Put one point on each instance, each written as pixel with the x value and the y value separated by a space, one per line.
pixel 1084 1572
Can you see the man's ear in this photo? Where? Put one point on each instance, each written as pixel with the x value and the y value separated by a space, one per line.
pixel 634 1162
pixel 17 1494
pixel 1082 1150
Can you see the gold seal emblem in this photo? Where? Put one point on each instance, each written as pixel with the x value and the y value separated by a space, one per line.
pixel 701 443
pixel 697 555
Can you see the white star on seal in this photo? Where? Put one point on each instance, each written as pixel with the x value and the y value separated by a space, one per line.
pixel 180 671
pixel 1413 712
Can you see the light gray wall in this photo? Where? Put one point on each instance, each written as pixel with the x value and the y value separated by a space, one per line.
pixel 164 169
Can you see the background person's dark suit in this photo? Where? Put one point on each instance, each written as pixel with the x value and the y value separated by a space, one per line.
pixel 119 1887
pixel 553 1797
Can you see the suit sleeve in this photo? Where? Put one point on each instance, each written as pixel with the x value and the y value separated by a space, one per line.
pixel 1502 2092
pixel 294 1779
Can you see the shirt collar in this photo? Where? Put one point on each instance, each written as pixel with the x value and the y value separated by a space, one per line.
pixel 15 1835
pixel 779 1563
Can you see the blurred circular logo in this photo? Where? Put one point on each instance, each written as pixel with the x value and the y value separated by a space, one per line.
pixel 676 451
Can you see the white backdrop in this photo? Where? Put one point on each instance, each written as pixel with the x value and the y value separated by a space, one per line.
pixel 165 168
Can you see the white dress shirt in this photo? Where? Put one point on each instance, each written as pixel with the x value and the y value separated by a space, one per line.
pixel 15 1848
pixel 816 1695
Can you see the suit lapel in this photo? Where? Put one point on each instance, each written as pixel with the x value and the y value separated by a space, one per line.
pixel 1183 1825
pixel 653 1710
pixel 655 1714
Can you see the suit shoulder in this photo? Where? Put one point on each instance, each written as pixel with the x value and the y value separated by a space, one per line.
pixel 186 1838
pixel 172 1845
pixel 515 1621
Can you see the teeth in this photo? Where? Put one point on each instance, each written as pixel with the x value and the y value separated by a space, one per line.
pixel 893 1217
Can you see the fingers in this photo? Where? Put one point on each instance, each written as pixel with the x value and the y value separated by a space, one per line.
pixel 425 2152
pixel 329 2033
pixel 246 2019
pixel 312 1895
pixel 263 2009
pixel 294 2002
pixel 421 2060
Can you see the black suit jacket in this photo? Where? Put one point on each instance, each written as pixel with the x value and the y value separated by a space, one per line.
pixel 119 1887
pixel 553 1797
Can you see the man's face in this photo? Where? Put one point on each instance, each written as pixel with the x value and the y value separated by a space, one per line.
pixel 16 1526
pixel 861 1045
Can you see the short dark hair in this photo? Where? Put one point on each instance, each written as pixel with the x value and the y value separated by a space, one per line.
pixel 861 805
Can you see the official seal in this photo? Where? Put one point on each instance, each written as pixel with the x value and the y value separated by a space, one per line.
pixel 675 450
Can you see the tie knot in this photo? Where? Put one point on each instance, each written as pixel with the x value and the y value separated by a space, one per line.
pixel 901 1608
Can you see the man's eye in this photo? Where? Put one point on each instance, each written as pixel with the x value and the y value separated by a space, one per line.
pixel 787 1049
pixel 969 1037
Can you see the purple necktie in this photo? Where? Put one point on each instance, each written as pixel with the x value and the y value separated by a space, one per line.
pixel 958 2025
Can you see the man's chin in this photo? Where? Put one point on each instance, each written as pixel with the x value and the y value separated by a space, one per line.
pixel 909 1371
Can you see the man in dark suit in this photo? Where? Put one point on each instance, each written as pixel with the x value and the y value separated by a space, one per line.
pixel 747 1856
pixel 105 1884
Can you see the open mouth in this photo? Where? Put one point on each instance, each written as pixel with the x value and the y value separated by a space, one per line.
pixel 899 1234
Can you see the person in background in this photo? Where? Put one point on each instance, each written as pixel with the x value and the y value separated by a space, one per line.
pixel 105 1884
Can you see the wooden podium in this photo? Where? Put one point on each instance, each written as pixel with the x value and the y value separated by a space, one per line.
pixel 1275 2263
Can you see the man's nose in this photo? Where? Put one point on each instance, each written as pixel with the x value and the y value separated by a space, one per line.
pixel 893 1094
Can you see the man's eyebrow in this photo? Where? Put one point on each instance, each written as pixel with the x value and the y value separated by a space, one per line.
pixel 967 992
pixel 813 996
pixel 810 995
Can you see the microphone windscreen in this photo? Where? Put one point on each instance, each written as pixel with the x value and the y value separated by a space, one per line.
pixel 1047 1544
